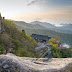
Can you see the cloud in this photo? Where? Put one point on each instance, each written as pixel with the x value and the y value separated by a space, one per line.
pixel 32 2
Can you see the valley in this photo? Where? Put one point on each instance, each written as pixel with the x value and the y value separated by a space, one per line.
pixel 65 36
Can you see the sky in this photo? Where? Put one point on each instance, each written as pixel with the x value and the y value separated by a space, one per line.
pixel 51 11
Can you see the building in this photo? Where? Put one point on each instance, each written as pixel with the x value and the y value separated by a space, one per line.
pixel 40 38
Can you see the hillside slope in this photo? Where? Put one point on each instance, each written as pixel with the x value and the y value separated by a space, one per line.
pixel 27 25
pixel 65 37
pixel 65 28
pixel 17 42
pixel 45 24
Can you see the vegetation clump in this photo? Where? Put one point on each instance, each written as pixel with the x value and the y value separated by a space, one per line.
pixel 56 52
pixel 17 42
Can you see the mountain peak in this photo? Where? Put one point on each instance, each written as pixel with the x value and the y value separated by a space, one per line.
pixel 45 24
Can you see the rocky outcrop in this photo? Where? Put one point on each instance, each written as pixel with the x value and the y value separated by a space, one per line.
pixel 2 24
pixel 12 63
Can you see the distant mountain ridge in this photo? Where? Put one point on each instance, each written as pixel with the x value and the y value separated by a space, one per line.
pixel 66 28
pixel 45 24
pixel 30 29
pixel 27 25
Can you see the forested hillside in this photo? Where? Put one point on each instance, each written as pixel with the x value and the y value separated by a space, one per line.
pixel 27 25
pixel 63 28
pixel 17 42
pixel 65 37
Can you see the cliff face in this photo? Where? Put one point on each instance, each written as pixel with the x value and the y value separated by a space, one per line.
pixel 12 63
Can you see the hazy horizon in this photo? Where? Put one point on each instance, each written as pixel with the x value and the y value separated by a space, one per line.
pixel 51 11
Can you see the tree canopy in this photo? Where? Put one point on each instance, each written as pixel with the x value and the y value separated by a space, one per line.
pixel 17 42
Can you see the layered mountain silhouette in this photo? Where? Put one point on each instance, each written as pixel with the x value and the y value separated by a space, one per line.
pixel 51 30
pixel 28 25
pixel 45 24
pixel 66 28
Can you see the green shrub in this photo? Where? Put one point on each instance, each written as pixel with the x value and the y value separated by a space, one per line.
pixel 17 42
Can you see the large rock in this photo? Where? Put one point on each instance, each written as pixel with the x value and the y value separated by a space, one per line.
pixel 12 63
